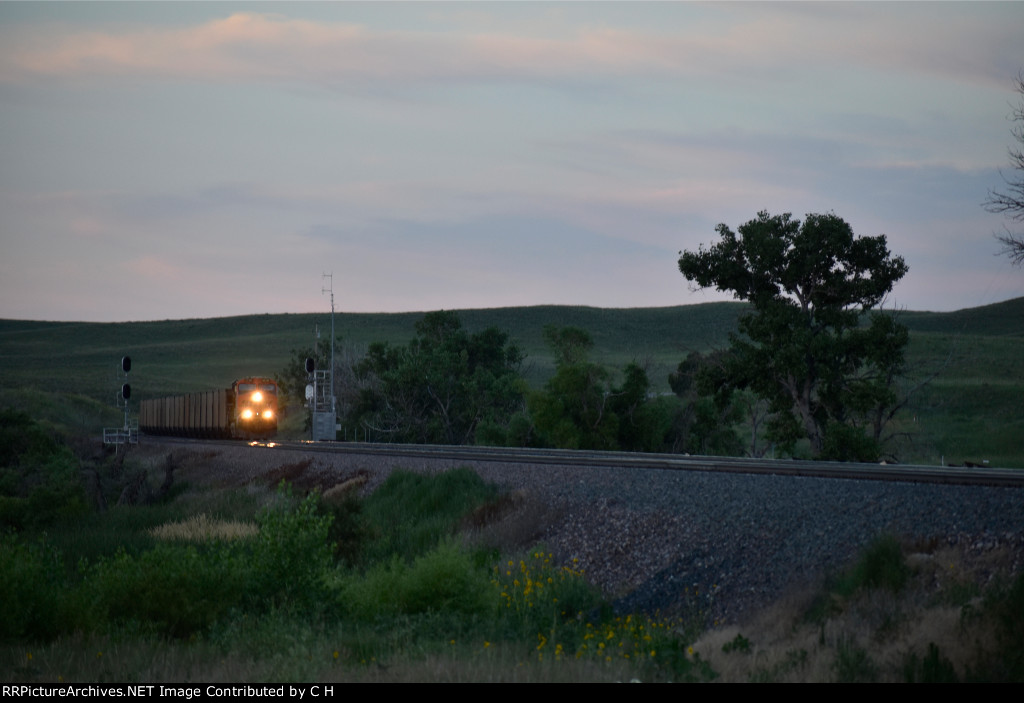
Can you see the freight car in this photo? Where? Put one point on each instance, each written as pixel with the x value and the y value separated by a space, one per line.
pixel 247 410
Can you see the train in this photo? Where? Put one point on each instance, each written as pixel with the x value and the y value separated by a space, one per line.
pixel 247 410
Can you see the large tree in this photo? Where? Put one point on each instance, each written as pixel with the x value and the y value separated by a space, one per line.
pixel 573 410
pixel 810 345
pixel 438 389
pixel 1011 201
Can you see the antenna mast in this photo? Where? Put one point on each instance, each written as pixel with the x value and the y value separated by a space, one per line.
pixel 325 418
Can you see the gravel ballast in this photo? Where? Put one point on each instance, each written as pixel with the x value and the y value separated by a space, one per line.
pixel 722 544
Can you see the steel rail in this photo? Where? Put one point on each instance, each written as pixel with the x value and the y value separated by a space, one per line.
pixel 664 462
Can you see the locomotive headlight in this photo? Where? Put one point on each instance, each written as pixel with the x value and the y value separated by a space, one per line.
pixel 247 414
pixel 257 397
pixel 267 414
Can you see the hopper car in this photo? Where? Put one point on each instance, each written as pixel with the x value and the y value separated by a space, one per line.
pixel 247 410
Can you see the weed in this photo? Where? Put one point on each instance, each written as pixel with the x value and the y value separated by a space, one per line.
pixel 200 528
pixel 443 580
pixel 409 514
pixel 794 660
pixel 882 565
pixel 853 665
pixel 31 590
pixel 737 644
pixel 934 668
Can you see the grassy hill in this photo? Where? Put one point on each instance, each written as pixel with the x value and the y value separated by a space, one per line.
pixel 973 409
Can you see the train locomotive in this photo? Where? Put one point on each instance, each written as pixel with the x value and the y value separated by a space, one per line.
pixel 247 410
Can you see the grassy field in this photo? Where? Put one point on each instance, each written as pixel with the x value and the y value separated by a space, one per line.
pixel 334 587
pixel 972 410
pixel 123 594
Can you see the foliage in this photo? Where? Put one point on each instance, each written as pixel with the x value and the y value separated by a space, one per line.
pixel 569 621
pixel 292 380
pixel 536 596
pixel 39 478
pixel 933 668
pixel 291 554
pixel 854 665
pixel 278 604
pixel 739 643
pixel 31 590
pixel 440 387
pixel 881 565
pixel 803 347
pixel 646 423
pixel 1005 605
pixel 178 591
pixel 1011 201
pixel 970 412
pixel 348 531
pixel 573 412
pixel 711 405
pixel 580 408
pixel 444 579
pixel 410 514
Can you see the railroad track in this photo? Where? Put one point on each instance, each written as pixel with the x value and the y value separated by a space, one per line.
pixel 975 476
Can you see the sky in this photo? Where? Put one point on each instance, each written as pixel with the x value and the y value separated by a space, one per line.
pixel 193 160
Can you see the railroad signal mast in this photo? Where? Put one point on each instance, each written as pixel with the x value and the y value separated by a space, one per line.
pixel 129 433
pixel 321 391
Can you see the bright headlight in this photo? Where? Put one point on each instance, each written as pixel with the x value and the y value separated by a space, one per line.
pixel 267 414
pixel 247 414
pixel 257 397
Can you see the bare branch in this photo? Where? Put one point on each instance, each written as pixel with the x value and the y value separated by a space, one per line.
pixel 1013 247
pixel 1010 202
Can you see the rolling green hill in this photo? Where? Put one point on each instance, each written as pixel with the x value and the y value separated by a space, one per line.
pixel 972 410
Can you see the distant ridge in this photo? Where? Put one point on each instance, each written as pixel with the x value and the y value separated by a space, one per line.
pixel 974 409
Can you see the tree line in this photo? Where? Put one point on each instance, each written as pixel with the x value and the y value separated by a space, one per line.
pixel 812 370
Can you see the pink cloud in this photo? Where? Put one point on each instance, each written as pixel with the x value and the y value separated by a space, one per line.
pixel 265 46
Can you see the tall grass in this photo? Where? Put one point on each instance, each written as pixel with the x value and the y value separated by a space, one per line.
pixel 408 592
pixel 411 513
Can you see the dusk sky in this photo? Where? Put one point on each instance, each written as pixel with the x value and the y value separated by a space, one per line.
pixel 179 160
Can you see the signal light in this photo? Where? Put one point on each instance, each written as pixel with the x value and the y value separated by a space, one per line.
pixel 126 391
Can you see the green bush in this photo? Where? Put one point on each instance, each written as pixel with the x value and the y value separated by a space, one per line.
pixel 933 668
pixel 1004 606
pixel 39 477
pixel 292 554
pixel 445 579
pixel 177 590
pixel 348 531
pixel 32 591
pixel 853 665
pixel 534 595
pixel 182 590
pixel 881 566
pixel 409 514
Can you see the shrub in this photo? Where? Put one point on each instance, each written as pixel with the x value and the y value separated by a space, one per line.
pixel 881 566
pixel 31 590
pixel 933 668
pixel 177 590
pixel 348 531
pixel 411 513
pixel 446 579
pixel 291 555
pixel 39 478
pixel 1004 606
pixel 534 595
